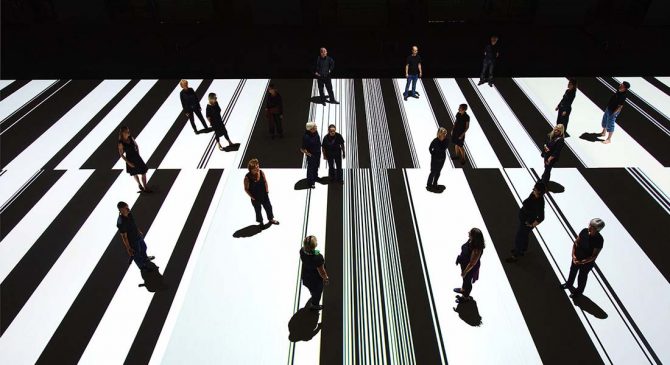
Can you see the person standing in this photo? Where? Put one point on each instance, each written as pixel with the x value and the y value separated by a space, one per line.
pixel 412 72
pixel 323 69
pixel 313 274
pixel 469 260
pixel 565 105
pixel 130 152
pixel 613 109
pixel 256 186
pixel 491 53
pixel 132 237
pixel 274 112
pixel 461 126
pixel 311 148
pixel 531 215
pixel 214 118
pixel 585 250
pixel 333 151
pixel 551 150
pixel 191 105
pixel 438 154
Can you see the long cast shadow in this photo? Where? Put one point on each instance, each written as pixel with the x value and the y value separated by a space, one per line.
pixel 587 305
pixel 251 230
pixel 304 325
pixel 469 313
pixel 591 137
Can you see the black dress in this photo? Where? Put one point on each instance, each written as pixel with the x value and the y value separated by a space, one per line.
pixel 214 115
pixel 133 156
pixel 459 128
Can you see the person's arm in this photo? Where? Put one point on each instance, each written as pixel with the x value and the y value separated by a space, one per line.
pixel 574 250
pixel 331 65
pixel 316 67
pixel 592 258
pixel 246 187
pixel 182 97
pixel 407 70
pixel 123 156
pixel 618 109
pixel 126 244
pixel 474 257
pixel 558 146
pixel 266 182
pixel 341 144
pixel 324 275
pixel 420 71
pixel 467 126
pixel 432 147
pixel 136 146
pixel 540 215
pixel 304 149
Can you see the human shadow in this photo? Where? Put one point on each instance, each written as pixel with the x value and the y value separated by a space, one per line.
pixel 251 230
pixel 591 137
pixel 469 313
pixel 554 187
pixel 304 325
pixel 588 306
pixel 205 130
pixel 303 184
pixel 232 147
pixel 438 189
pixel 153 280
pixel 316 100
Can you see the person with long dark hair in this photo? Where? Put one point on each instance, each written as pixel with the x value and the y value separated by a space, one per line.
pixel 313 274
pixel 564 107
pixel 461 126
pixel 130 152
pixel 438 154
pixel 274 112
pixel 585 250
pixel 191 105
pixel 531 215
pixel 214 117
pixel 551 150
pixel 256 186
pixel 469 260
pixel 311 148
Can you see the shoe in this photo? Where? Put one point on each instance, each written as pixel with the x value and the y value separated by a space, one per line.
pixel 491 84
pixel 312 186
pixel 565 286
pixel 141 187
pixel 151 258
pixel 512 259
pixel 576 295
pixel 323 103
pixel 221 148
pixel 196 131
pixel 415 96
pixel 481 82
pixel 429 187
pixel 405 97
pixel 274 221
pixel 334 102
pixel 458 290
pixel 313 307
pixel 463 299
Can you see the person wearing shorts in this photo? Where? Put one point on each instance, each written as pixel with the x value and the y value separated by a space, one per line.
pixel 612 111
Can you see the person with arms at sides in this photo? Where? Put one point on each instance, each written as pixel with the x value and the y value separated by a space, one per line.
pixel 191 105
pixel 274 112
pixel 438 154
pixel 469 260
pixel 256 186
pixel 491 53
pixel 333 151
pixel 531 215
pixel 412 72
pixel 585 250
pixel 565 106
pixel 311 148
pixel 132 237
pixel 613 109
pixel 313 275
pixel 461 126
pixel 322 70
pixel 214 117
pixel 551 150
pixel 130 152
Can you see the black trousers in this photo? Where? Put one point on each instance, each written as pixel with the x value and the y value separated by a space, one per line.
pixel 467 281
pixel 315 287
pixel 547 171
pixel 335 166
pixel 321 81
pixel 313 168
pixel 487 68
pixel 265 202
pixel 275 122
pixel 583 275
pixel 521 239
pixel 563 119
pixel 436 165
pixel 191 118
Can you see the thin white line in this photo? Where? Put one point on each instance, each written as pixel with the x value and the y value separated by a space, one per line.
pixel 28 102
pixel 24 115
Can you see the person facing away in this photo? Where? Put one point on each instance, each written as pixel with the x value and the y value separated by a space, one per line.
pixel 551 150
pixel 469 260
pixel 531 215
pixel 274 112
pixel 191 105
pixel 461 126
pixel 438 154
pixel 585 250
pixel 132 237
pixel 333 152
pixel 311 148
pixel 323 69
pixel 256 186
pixel 313 274
pixel 214 117
pixel 564 107
pixel 491 54
pixel 129 151
pixel 412 72
pixel 614 106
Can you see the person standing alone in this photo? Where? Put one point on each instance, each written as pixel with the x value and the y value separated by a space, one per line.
pixel 324 67
pixel 585 250
pixel 491 54
pixel 412 72
pixel 191 105
pixel 565 106
pixel 313 275
pixel 132 237
pixel 612 110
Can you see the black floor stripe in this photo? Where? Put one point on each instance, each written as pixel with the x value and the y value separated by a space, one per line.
pixel 476 107
pixel 27 108
pixel 659 85
pixel 361 126
pixel 16 138
pixel 107 154
pixel 26 276
pixel 75 331
pixel 150 329
pixel 609 183
pixel 296 97
pixel 396 129
pixel 547 310
pixel 332 317
pixel 641 103
pixel 531 119
pixel 426 347
pixel 177 126
pixel 74 141
pixel 644 132
pixel 11 88
pixel 24 202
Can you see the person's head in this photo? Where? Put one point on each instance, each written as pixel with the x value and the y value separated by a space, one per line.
pixel 211 98
pixel 442 133
pixel 124 132
pixel 462 108
pixel 476 238
pixel 596 225
pixel 494 39
pixel 123 208
pixel 624 86
pixel 310 127
pixel 253 165
pixel 272 90
pixel 332 130
pixel 183 83
pixel 323 52
pixel 572 84
pixel 558 131
pixel 309 243
pixel 539 189
pixel 415 50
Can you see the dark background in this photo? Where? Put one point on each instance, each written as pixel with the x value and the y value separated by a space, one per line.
pixel 367 38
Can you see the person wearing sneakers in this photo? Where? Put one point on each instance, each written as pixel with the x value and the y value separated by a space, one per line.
pixel 132 237
pixel 531 215
pixel 313 275
pixel 469 259
pixel 191 105
pixel 585 250
pixel 256 186
pixel 612 110
pixel 491 53
pixel 214 117
pixel 412 72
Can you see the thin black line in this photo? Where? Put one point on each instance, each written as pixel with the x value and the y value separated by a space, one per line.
pixel 20 191
pixel 33 103
pixel 648 185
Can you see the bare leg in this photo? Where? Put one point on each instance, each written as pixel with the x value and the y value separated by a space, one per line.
pixel 461 152
pixel 602 134
pixel 144 180
pixel 609 138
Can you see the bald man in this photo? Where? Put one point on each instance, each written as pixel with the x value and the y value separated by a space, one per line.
pixel 322 70
pixel 191 105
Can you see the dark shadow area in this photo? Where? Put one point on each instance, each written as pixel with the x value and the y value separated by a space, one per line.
pixel 232 147
pixel 591 137
pixel 251 230
pixel 304 185
pixel 554 187
pixel 315 100
pixel 588 306
pixel 304 325
pixel 153 280
pixel 205 130
pixel 469 313
pixel 438 189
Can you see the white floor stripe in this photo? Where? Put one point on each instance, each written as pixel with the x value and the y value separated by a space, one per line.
pixel 78 156
pixel 664 80
pixel 654 97
pixel 22 96
pixel 31 330
pixel 126 311
pixel 5 83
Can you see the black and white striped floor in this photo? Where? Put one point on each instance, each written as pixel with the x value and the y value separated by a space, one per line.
pixel 69 295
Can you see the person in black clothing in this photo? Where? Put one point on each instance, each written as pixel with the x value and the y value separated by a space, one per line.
pixel 438 154
pixel 191 105
pixel 132 237
pixel 333 151
pixel 274 111
pixel 130 152
pixel 311 148
pixel 461 126
pixel 313 275
pixel 491 54
pixel 214 116
pixel 468 259
pixel 256 186
pixel 552 150
pixel 565 106
pixel 613 109
pixel 324 67
pixel 585 250
pixel 412 72
pixel 531 215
